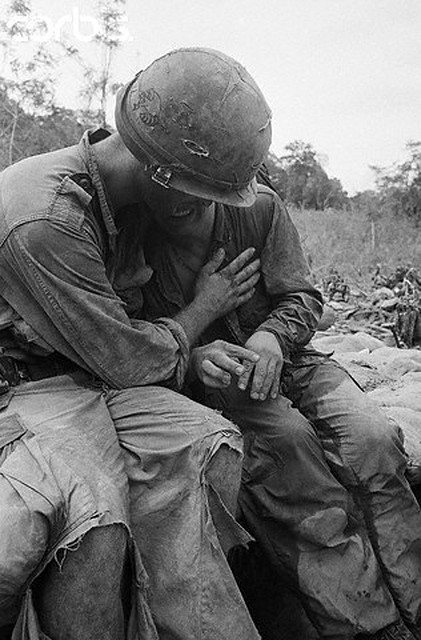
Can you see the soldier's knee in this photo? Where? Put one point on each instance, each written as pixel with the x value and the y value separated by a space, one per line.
pixel 377 446
pixel 373 431
pixel 292 432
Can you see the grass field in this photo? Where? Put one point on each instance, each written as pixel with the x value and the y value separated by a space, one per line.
pixel 354 245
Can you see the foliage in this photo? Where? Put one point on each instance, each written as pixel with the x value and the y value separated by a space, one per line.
pixel 277 173
pixel 399 187
pixel 30 120
pixel 31 69
pixel 98 84
pixel 367 202
pixel 301 180
pixel 34 133
pixel 343 239
pixel 30 86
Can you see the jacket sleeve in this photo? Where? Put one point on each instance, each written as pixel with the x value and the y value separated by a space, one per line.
pixel 52 273
pixel 296 305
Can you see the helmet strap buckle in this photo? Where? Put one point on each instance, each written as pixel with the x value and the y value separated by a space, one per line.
pixel 162 175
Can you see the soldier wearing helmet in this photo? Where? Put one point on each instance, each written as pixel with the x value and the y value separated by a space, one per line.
pixel 205 141
pixel 324 490
pixel 100 457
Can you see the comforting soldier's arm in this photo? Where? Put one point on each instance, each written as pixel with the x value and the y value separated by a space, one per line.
pixel 53 275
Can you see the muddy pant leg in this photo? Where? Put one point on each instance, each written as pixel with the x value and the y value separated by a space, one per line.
pixel 303 518
pixel 224 476
pixel 92 579
pixel 63 496
pixel 174 449
pixel 365 452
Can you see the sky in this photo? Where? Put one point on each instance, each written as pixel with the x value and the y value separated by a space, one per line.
pixel 342 75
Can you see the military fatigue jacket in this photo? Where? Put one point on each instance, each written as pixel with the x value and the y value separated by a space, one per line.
pixel 58 241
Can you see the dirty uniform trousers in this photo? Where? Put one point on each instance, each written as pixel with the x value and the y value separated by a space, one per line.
pixel 324 493
pixel 63 472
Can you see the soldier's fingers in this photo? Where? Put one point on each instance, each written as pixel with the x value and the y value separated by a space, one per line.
pixel 249 284
pixel 247 271
pixel 214 263
pixel 259 376
pixel 238 263
pixel 227 363
pixel 245 297
pixel 235 351
pixel 214 376
pixel 276 384
pixel 268 378
pixel 243 380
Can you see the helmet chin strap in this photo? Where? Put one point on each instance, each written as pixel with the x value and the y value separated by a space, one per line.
pixel 162 175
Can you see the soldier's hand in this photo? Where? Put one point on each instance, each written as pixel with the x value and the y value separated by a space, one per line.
pixel 264 378
pixel 222 290
pixel 216 363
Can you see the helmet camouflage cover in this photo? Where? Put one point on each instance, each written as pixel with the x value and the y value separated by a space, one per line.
pixel 200 121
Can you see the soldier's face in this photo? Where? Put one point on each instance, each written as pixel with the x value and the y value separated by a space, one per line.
pixel 175 211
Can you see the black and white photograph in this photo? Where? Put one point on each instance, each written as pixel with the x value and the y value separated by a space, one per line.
pixel 210 320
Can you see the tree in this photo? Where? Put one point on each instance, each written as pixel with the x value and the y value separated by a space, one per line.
pixel 301 179
pixel 35 133
pixel 34 78
pixel 277 173
pixel 30 120
pixel 98 84
pixel 29 87
pixel 399 186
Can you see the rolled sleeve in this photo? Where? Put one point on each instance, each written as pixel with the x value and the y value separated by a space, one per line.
pixel 176 379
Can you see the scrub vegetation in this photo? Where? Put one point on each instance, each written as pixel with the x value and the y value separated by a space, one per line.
pixel 357 245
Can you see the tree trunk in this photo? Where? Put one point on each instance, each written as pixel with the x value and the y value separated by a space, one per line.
pixel 373 235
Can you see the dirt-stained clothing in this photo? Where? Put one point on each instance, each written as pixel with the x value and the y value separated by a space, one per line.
pixel 285 301
pixel 324 488
pixel 68 443
pixel 57 266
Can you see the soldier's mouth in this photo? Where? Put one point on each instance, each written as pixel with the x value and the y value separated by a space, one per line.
pixel 182 213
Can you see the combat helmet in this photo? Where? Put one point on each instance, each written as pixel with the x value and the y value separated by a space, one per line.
pixel 201 121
